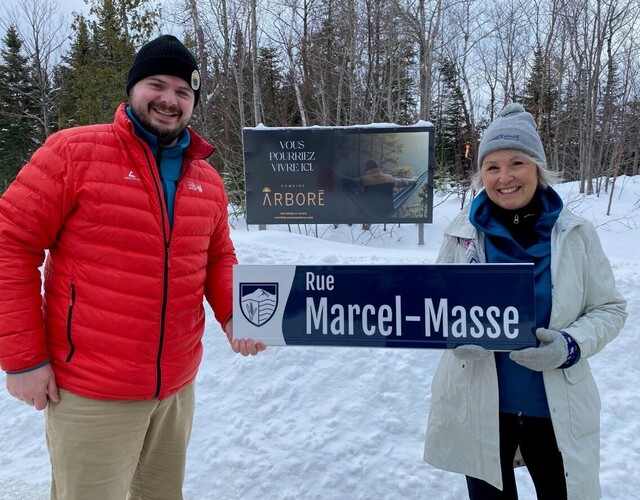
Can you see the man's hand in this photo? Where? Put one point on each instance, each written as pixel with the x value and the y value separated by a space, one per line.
pixel 246 347
pixel 35 388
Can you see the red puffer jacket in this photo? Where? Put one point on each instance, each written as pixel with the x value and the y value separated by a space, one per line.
pixel 122 315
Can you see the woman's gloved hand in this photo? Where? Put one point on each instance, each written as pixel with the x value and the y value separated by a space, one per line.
pixel 556 350
pixel 471 352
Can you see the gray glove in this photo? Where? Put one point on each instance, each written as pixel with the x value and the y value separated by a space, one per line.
pixel 471 352
pixel 551 353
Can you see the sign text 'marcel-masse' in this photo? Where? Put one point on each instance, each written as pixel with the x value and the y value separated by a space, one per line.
pixel 437 306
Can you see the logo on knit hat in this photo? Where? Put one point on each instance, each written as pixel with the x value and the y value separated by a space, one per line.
pixel 506 137
pixel 195 79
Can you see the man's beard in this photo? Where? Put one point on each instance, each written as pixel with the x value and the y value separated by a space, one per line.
pixel 165 136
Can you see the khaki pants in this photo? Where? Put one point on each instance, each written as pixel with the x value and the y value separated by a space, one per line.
pixel 117 450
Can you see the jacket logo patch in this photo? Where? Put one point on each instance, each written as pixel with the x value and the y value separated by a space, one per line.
pixel 258 301
pixel 194 187
pixel 131 177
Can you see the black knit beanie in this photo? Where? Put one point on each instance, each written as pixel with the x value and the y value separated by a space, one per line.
pixel 166 55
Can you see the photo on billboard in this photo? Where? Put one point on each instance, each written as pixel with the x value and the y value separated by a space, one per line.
pixel 335 175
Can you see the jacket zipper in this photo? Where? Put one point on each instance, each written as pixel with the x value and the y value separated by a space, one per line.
pixel 72 302
pixel 165 280
pixel 162 320
pixel 167 244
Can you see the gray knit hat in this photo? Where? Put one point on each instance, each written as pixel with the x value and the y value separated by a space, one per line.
pixel 514 128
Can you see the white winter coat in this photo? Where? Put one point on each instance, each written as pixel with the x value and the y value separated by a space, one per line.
pixel 462 432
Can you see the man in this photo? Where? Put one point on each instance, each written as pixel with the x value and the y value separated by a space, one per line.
pixel 135 222
pixel 378 189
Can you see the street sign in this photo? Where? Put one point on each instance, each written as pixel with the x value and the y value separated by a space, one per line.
pixel 438 306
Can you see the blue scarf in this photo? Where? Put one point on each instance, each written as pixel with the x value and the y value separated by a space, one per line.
pixel 168 160
pixel 521 390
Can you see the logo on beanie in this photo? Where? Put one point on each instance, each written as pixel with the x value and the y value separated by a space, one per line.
pixel 506 137
pixel 195 79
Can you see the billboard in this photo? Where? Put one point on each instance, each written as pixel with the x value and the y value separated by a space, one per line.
pixel 439 306
pixel 337 175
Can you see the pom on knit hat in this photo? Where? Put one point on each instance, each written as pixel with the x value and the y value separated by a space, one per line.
pixel 514 128
pixel 166 55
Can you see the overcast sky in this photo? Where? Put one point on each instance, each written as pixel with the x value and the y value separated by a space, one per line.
pixel 59 29
pixel 66 7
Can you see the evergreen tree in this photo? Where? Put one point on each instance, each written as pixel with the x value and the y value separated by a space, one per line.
pixel 18 125
pixel 541 100
pixel 278 100
pixel 453 135
pixel 402 89
pixel 93 83
pixel 72 77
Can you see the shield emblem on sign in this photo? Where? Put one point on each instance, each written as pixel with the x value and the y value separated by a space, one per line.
pixel 258 301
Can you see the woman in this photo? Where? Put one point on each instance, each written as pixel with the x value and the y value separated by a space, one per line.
pixel 540 404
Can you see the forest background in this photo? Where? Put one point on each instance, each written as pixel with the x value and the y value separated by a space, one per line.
pixel 574 64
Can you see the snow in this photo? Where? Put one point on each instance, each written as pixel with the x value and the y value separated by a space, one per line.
pixel 348 423
pixel 418 124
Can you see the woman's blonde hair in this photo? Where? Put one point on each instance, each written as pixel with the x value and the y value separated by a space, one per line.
pixel 545 176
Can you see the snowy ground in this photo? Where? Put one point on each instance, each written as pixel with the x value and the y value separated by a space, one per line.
pixel 348 423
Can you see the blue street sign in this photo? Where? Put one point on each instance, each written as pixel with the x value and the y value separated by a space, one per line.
pixel 438 306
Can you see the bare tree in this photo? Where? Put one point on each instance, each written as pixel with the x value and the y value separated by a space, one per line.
pixel 291 26
pixel 468 29
pixel 574 63
pixel 425 25
pixel 257 98
pixel 43 29
pixel 587 24
pixel 203 61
